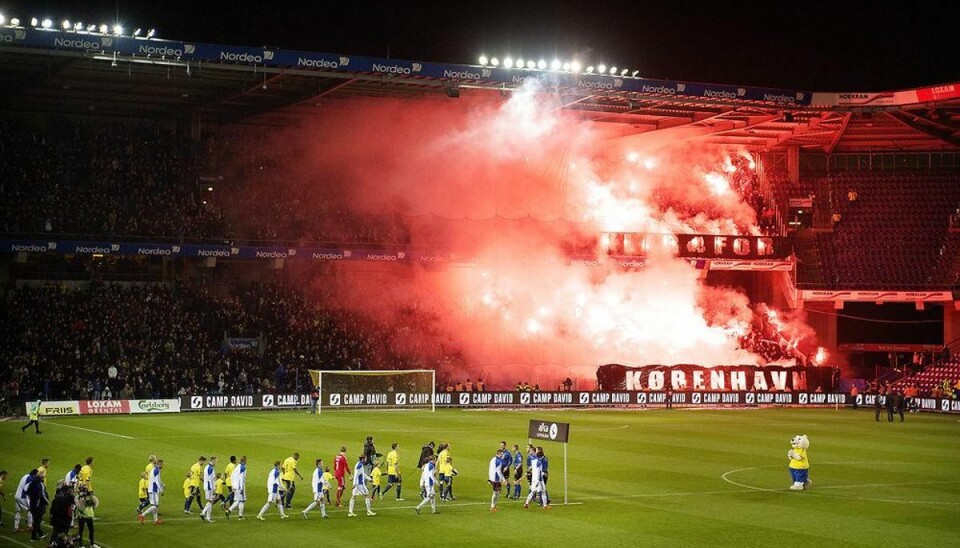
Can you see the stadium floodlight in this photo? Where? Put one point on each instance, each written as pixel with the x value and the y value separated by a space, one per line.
pixel 531 64
pixel 566 66
pixel 508 62
pixel 590 69
pixel 150 33
pixel 2 19
pixel 34 22
pixel 104 29
pixel 601 68
pixel 613 70
pixel 541 64
pixel 575 66
pixel 556 64
pixel 78 26
pixel 66 25
pixel 117 30
pixel 137 32
pixel 91 28
pixel 15 21
pixel 483 60
pixel 635 73
pixel 623 72
pixel 46 23
pixel 495 62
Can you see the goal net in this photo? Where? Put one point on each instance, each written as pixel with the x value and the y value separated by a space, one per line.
pixel 406 389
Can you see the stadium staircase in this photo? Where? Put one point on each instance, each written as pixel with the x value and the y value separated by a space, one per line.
pixel 933 375
pixel 808 257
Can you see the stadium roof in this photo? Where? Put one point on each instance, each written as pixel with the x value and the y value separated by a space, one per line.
pixel 84 81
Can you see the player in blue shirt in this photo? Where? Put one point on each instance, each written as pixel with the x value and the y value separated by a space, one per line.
pixel 517 471
pixel 506 459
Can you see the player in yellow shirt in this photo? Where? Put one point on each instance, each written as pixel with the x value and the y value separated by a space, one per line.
pixel 151 462
pixel 142 492
pixel 393 470
pixel 187 492
pixel 86 474
pixel 375 476
pixel 195 475
pixel 44 469
pixel 327 475
pixel 287 472
pixel 218 488
pixel 228 482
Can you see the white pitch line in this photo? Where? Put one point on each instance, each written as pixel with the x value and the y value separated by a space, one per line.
pixel 90 430
pixel 17 542
pixel 725 478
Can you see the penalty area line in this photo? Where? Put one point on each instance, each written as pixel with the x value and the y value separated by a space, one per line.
pixel 90 430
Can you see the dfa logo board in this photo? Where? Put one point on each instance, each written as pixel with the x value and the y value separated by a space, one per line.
pixel 549 431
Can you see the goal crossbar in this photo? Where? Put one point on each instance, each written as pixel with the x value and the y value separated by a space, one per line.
pixel 399 389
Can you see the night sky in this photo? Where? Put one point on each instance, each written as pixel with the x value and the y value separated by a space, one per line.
pixel 814 46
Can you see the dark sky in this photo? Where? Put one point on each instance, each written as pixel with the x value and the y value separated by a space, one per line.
pixel 813 45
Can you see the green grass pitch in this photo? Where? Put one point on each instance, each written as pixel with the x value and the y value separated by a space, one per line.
pixel 636 478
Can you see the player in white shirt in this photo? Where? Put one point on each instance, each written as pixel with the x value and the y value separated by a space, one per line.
pixel 495 477
pixel 320 488
pixel 239 481
pixel 154 490
pixel 274 493
pixel 360 487
pixel 536 482
pixel 209 481
pixel 428 484
pixel 21 502
pixel 73 476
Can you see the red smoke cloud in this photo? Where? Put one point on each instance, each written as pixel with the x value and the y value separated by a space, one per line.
pixel 510 187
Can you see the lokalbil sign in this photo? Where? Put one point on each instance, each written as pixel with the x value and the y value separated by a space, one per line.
pixel 549 431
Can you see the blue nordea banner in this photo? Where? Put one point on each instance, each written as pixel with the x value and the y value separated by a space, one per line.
pixel 219 53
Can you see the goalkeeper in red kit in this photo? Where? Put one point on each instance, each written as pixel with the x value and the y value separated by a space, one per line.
pixel 340 469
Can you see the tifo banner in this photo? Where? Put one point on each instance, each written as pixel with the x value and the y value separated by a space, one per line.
pixel 703 246
pixel 105 407
pixel 244 401
pixel 732 378
pixel 154 406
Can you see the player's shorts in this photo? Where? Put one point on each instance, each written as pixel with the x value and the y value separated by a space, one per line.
pixel 290 484
pixel 319 496
pixel 536 487
pixel 339 481
pixel 496 485
pixel 239 495
pixel 275 497
pixel 154 498
pixel 210 495
pixel 427 492
pixel 22 503
pixel 518 473
pixel 393 478
pixel 360 490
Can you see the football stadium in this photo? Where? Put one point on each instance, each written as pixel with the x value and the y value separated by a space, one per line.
pixel 263 296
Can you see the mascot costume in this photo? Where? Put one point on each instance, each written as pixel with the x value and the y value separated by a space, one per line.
pixel 799 464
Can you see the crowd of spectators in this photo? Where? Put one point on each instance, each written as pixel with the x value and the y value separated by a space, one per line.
pixel 97 178
pixel 156 341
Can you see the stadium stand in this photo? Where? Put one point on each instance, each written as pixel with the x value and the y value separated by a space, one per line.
pixel 894 234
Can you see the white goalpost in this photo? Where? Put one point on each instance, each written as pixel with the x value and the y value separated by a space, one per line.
pixel 401 389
